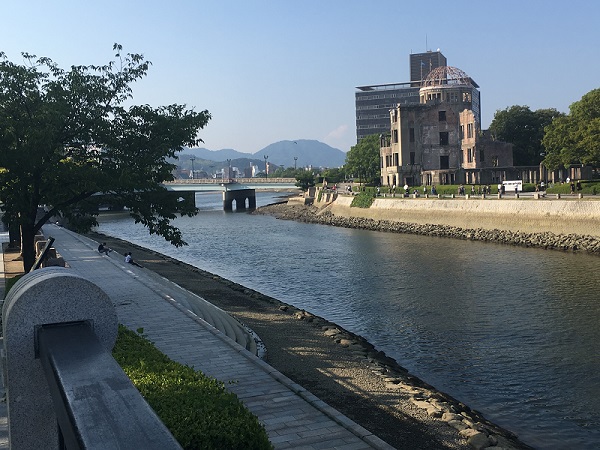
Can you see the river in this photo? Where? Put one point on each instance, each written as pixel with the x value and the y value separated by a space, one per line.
pixel 512 332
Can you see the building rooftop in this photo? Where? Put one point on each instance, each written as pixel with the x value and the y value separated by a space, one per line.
pixel 448 75
pixel 385 87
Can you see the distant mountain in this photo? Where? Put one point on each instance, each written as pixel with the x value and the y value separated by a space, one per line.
pixel 309 153
pixel 282 153
pixel 216 155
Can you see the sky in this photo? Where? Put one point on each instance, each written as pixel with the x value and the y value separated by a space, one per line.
pixel 273 70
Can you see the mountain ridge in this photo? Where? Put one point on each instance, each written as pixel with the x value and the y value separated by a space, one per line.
pixel 298 153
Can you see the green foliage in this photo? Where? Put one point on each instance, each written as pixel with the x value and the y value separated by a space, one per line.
pixel 524 129
pixel 362 161
pixel 305 179
pixel 372 191
pixel 10 282
pixel 448 189
pixel 587 188
pixel 66 135
pixel 197 409
pixel 363 200
pixel 333 176
pixel 575 138
pixel 288 172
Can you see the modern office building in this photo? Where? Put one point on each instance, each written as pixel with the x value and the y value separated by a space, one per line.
pixel 374 102
pixel 423 63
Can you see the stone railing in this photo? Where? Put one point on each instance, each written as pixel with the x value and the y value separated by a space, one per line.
pixel 58 332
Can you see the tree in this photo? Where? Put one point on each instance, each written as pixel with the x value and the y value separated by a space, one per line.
pixel 363 159
pixel 524 129
pixel 288 172
pixel 66 137
pixel 334 175
pixel 305 179
pixel 575 138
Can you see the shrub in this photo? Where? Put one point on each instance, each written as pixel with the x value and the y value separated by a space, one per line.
pixel 363 200
pixel 197 409
pixel 587 187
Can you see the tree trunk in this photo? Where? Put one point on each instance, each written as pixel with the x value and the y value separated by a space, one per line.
pixel 14 235
pixel 27 248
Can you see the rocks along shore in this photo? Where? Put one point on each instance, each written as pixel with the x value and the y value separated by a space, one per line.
pixel 545 240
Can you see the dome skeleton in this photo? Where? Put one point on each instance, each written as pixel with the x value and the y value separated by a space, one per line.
pixel 447 75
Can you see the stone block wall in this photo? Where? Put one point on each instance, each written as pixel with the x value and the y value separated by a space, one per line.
pixel 560 216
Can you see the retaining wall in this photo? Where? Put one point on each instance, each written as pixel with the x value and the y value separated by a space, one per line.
pixel 560 216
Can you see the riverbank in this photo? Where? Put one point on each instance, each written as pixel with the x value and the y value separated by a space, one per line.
pixel 525 214
pixel 457 224
pixel 337 366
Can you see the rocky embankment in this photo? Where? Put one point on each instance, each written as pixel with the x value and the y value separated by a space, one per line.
pixel 338 366
pixel 545 240
pixel 440 408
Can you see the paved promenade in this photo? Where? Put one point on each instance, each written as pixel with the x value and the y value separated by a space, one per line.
pixel 3 412
pixel 292 416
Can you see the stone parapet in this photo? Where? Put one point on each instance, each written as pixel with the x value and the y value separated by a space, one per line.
pixel 46 296
pixel 560 216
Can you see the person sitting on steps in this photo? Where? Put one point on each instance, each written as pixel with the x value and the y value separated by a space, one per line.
pixel 102 248
pixel 129 259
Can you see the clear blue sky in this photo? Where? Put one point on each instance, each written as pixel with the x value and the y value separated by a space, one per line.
pixel 287 70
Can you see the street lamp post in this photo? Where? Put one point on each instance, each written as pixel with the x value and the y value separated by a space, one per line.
pixel 193 158
pixel 295 159
pixel 266 167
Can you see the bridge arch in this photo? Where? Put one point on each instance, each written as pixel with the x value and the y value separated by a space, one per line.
pixel 239 196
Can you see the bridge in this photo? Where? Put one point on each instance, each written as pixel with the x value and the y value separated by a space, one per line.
pixel 218 184
pixel 238 190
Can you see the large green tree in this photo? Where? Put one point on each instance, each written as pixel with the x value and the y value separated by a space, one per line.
pixel 524 129
pixel 66 136
pixel 575 138
pixel 305 179
pixel 363 159
pixel 288 172
pixel 333 175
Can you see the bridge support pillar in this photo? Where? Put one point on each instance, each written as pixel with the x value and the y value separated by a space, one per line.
pixel 239 196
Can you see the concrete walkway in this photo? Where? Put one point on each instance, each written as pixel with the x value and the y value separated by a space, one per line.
pixel 3 412
pixel 292 416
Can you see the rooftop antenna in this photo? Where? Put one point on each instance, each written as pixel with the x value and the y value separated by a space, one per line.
pixel 426 46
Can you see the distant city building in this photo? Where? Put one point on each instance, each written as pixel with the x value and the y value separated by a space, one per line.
pixel 421 64
pixel 439 139
pixel 374 102
pixel 230 172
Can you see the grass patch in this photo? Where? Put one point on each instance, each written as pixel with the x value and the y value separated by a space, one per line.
pixel 198 410
pixel 363 200
pixel 587 188
pixel 10 282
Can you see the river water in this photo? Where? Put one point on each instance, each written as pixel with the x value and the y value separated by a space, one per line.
pixel 512 332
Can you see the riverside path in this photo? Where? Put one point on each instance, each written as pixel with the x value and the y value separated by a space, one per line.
pixel 292 416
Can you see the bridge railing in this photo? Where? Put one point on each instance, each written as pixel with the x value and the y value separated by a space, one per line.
pixel 59 329
pixel 233 180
